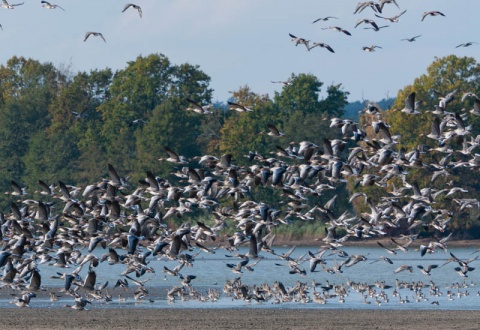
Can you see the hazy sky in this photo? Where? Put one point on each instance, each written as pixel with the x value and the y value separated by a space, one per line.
pixel 246 42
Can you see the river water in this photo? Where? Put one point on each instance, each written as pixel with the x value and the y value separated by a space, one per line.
pixel 212 273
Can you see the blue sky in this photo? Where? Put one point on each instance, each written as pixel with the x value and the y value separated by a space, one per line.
pixel 246 42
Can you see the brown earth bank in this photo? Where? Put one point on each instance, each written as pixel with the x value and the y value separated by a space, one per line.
pixel 286 241
pixel 31 318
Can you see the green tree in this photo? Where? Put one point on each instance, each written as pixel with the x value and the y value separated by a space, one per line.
pixel 302 94
pixel 445 75
pixel 28 87
pixel 241 131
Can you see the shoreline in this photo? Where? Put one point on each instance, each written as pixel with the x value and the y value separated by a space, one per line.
pixel 249 318
pixel 285 241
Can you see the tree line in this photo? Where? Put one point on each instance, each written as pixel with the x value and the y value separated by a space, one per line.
pixel 56 125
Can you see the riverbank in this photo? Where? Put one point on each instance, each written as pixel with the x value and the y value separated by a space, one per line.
pixel 32 318
pixel 286 241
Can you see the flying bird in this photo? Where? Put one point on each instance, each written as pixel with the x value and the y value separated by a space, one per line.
pixel 6 5
pixel 198 108
pixel 426 270
pixel 323 45
pixel 274 131
pixel 95 34
pixel 412 39
pixel 138 8
pixel 362 5
pixel 339 29
pixel 393 19
pixel 368 21
pixel 299 41
pixel 467 44
pixel 410 104
pixel 48 5
pixel 285 83
pixel 371 48
pixel 432 13
pixel 238 107
pixel 323 19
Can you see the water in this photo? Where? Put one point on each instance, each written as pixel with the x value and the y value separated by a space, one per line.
pixel 211 273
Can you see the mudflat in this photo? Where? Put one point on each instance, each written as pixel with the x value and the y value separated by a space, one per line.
pixel 245 318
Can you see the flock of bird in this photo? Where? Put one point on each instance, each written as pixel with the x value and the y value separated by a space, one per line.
pixel 138 225
pixel 45 4
pixel 369 23
pixel 144 223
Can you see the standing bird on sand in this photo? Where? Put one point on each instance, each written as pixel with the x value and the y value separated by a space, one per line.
pixel 138 8
pixel 432 13
pixel 48 5
pixel 95 34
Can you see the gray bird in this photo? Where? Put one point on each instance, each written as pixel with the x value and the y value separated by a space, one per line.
pixel 431 13
pixel 48 5
pixel 412 39
pixel 138 8
pixel 95 34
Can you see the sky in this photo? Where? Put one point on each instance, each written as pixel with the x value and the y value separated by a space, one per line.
pixel 247 42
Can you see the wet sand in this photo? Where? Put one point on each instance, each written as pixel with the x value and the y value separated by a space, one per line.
pixel 172 318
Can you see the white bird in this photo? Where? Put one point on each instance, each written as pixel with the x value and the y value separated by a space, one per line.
pixel 393 19
pixel 197 108
pixel 6 5
pixel 274 131
pixel 285 83
pixel 238 107
pixel 48 5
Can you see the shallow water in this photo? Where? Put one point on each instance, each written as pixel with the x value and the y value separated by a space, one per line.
pixel 211 272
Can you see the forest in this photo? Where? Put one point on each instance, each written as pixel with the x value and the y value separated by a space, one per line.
pixel 59 126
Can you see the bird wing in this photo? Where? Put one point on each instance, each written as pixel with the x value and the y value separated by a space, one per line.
pixel 171 153
pixel 87 35
pixel 113 174
pixel 128 5
pixel 328 47
pixel 273 129
pixel 194 104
